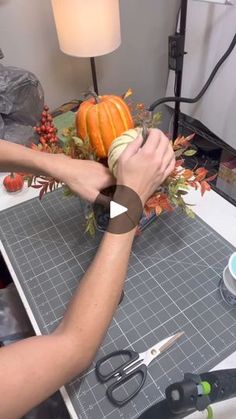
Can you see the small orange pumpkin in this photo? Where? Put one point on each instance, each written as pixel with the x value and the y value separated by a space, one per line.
pixel 13 182
pixel 101 119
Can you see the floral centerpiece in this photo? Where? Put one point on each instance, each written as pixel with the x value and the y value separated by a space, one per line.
pixel 104 125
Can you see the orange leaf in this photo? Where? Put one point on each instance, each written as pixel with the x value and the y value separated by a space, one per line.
pixel 147 211
pixel 204 187
pixel 201 174
pixel 158 210
pixel 193 184
pixel 179 141
pixel 164 202
pixel 153 201
pixel 187 174
pixel 190 137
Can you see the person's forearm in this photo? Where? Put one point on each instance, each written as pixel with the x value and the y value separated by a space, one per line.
pixel 17 158
pixel 38 366
pixel 95 301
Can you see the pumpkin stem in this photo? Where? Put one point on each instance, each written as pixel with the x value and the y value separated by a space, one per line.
pixel 94 95
pixel 12 175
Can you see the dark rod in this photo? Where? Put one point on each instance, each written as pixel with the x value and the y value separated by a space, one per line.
pixel 179 74
pixel 93 68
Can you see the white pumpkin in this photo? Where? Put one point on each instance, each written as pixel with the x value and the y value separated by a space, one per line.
pixel 118 146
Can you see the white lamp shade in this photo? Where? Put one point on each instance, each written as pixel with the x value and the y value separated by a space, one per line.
pixel 87 28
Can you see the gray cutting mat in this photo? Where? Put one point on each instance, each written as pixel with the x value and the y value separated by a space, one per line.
pixel 172 285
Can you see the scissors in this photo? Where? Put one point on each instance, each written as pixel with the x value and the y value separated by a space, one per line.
pixel 136 365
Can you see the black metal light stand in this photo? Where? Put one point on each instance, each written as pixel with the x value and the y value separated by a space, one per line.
pixel 94 75
pixel 180 63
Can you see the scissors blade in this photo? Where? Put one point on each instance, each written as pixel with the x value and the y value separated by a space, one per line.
pixel 161 347
pixel 170 342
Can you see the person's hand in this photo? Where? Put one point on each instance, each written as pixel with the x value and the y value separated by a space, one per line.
pixel 144 168
pixel 84 177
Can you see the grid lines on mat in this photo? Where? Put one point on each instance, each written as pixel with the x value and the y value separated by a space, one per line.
pixel 172 285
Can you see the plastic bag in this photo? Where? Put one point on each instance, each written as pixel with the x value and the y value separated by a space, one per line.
pixel 21 104
pixel 1 127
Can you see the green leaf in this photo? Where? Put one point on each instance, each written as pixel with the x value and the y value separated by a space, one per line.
pixel 174 201
pixel 189 212
pixel 90 224
pixel 78 141
pixel 181 192
pixel 190 153
pixel 68 192
pixel 156 119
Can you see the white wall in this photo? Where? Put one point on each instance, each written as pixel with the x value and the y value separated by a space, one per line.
pixel 142 60
pixel 28 40
pixel 210 30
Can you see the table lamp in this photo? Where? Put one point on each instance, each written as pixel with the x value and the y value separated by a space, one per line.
pixel 87 28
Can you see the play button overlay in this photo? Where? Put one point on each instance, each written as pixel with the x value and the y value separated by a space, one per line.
pixel 118 209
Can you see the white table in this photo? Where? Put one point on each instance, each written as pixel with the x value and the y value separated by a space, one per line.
pixel 215 211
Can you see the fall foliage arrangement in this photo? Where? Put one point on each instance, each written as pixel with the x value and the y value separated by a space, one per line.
pixel 104 126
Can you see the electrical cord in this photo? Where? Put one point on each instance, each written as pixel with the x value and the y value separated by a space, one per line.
pixel 205 87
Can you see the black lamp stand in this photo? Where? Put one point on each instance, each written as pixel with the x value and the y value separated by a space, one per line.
pixel 94 75
pixel 179 68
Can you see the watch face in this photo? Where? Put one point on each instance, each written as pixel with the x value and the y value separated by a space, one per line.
pixel 119 209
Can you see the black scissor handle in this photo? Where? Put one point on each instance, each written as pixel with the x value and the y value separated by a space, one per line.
pixel 105 377
pixel 142 369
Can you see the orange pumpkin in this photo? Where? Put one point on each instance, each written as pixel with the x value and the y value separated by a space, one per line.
pixel 13 182
pixel 101 119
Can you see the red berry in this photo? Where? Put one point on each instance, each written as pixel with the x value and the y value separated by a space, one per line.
pixel 44 114
pixel 46 108
pixel 49 118
pixel 38 130
pixel 43 120
pixel 43 128
pixel 49 136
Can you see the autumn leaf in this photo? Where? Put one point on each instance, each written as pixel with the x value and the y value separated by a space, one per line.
pixel 43 190
pixel 187 174
pixel 178 141
pixel 190 137
pixel 204 187
pixel 153 201
pixel 193 184
pixel 201 174
pixel 165 204
pixel 158 210
pixel 127 94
